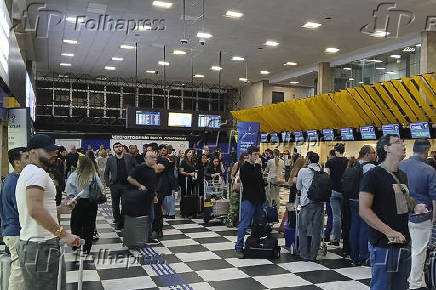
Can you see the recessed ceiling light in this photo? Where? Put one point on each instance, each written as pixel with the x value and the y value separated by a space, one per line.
pixel 179 52
pixel 117 58
pixel 351 79
pixel 150 71
pixel 201 34
pixel 65 64
pixel 311 25
pixel 361 82
pixel 290 63
pixel 143 28
pixel 294 83
pixel 271 43
pixel 101 78
pixel 234 14
pixel 391 73
pixel 71 19
pixel 216 68
pixel 109 68
pixel 238 58
pixel 418 45
pixel 380 68
pixel 163 63
pixel 70 41
pixel 347 68
pixel 126 46
pixel 409 49
pixel 397 56
pixel 62 76
pixel 198 76
pixel 162 4
pixel 67 54
pixel 332 50
pixel 376 60
pixel 380 33
pixel 264 72
pixel 243 80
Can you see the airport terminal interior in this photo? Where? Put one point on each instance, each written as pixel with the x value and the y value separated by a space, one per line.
pixel 182 90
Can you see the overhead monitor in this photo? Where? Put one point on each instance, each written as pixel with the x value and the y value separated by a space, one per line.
pixel 328 134
pixel 391 129
pixel 298 136
pixel 183 120
pixel 312 135
pixel 368 133
pixel 347 134
pixel 286 137
pixel 147 118
pixel 263 138
pixel 274 138
pixel 209 121
pixel 420 130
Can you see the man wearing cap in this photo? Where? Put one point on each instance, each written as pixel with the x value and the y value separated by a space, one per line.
pixel 39 248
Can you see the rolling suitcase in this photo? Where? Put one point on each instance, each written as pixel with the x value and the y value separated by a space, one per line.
pixel 189 203
pixel 135 233
pixel 5 270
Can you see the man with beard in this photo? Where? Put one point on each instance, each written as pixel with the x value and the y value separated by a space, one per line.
pixel 133 150
pixel 57 173
pixel 71 160
pixel 40 231
pixel 115 176
pixel 163 187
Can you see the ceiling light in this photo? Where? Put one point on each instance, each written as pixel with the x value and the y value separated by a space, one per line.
pixel 163 63
pixel 361 82
pixel 264 72
pixel 243 80
pixel 204 35
pixel 150 71
pixel 179 52
pixel 376 60
pixel 391 73
pixel 70 19
pixel 126 46
pixel 65 64
pixel 162 4
pixel 143 28
pixel 198 76
pixel 409 49
pixel 311 25
pixel 351 79
pixel 380 33
pixel 397 56
pixel 290 63
pixel 234 14
pixel 67 54
pixel 216 68
pixel 347 68
pixel 294 83
pixel 69 41
pixel 418 45
pixel 62 76
pixel 101 78
pixel 380 68
pixel 238 58
pixel 109 68
pixel 117 58
pixel 271 43
pixel 332 50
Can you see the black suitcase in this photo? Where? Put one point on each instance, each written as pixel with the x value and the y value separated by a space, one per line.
pixel 189 202
pixel 262 248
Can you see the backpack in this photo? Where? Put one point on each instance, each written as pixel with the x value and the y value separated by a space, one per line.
pixel 351 180
pixel 321 188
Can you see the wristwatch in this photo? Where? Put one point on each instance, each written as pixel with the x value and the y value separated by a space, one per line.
pixel 58 232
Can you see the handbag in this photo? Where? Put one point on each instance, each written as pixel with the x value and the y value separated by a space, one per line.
pixel 95 193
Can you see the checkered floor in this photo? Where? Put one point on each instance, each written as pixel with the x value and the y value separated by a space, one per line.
pixel 197 256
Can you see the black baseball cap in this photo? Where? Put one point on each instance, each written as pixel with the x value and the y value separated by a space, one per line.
pixel 42 141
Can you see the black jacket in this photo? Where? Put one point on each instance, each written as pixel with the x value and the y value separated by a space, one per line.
pixel 253 186
pixel 110 173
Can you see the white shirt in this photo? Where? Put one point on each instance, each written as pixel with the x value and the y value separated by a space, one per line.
pixel 367 167
pixel 30 229
pixel 304 181
pixel 274 172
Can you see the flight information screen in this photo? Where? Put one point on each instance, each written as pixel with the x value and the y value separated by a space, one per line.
pixel 312 135
pixel 420 130
pixel 144 118
pixel 298 136
pixel 209 121
pixel 368 133
pixel 347 134
pixel 391 129
pixel 328 134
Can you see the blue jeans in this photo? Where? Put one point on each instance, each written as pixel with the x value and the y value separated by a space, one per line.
pixel 328 227
pixel 150 219
pixel 169 203
pixel 249 212
pixel 390 267
pixel 336 204
pixel 358 235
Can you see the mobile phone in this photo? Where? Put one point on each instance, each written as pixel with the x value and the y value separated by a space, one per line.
pixel 76 197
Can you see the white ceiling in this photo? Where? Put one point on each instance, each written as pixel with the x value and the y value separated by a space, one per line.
pixel 278 20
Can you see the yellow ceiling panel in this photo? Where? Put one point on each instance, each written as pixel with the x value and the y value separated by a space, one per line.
pixel 383 108
pixel 395 110
pixel 399 99
pixel 365 108
pixel 408 99
pixel 367 99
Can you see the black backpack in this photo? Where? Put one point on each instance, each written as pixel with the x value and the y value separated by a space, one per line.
pixel 351 180
pixel 321 188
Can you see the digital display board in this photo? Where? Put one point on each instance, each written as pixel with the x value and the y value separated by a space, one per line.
pixel 328 134
pixel 145 118
pixel 391 129
pixel 347 134
pixel 312 135
pixel 263 138
pixel 420 130
pixel 209 121
pixel 183 120
pixel 274 138
pixel 368 133
pixel 298 136
pixel 286 137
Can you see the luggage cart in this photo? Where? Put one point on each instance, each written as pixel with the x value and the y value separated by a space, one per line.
pixel 216 206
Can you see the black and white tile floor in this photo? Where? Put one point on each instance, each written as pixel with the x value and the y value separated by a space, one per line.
pixel 197 256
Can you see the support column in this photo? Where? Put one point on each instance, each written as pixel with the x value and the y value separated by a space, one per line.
pixel 428 52
pixel 325 78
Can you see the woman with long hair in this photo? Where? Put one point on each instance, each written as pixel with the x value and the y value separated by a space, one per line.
pixel 84 214
pixel 298 164
pixel 187 171
pixel 101 163
pixel 275 169
pixel 202 167
pixel 233 215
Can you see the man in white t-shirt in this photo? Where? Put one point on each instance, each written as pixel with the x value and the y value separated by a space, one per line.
pixel 38 249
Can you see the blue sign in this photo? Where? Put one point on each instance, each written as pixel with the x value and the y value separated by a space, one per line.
pixel 263 138
pixel 328 134
pixel 298 136
pixel 312 135
pixel 274 138
pixel 368 133
pixel 420 130
pixel 347 134
pixel 391 129
pixel 286 137
pixel 248 135
pixel 144 118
